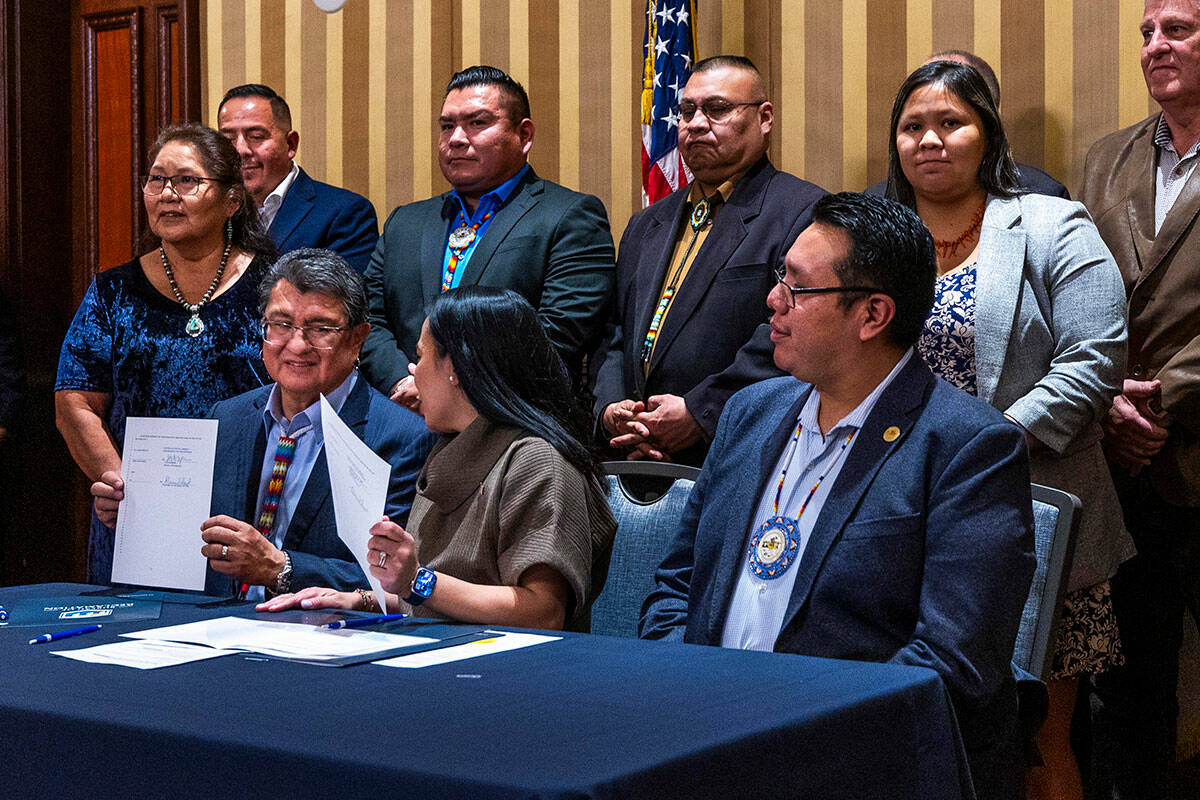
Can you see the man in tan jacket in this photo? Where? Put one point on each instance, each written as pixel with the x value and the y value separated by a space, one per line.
pixel 1140 188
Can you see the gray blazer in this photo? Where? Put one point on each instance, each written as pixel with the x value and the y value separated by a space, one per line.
pixel 1050 353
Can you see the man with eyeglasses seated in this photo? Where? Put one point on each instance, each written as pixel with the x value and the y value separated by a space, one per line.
pixel 860 508
pixel 273 526
pixel 693 272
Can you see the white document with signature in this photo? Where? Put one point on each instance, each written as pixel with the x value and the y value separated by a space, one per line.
pixel 358 480
pixel 167 466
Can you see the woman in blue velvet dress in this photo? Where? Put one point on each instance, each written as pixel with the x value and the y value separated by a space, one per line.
pixel 172 332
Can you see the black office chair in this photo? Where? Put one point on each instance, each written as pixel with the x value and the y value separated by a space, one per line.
pixel 644 530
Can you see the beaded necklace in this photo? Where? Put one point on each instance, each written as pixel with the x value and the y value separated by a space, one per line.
pixel 947 247
pixel 195 326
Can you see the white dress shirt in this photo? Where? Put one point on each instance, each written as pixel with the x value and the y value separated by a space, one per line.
pixel 274 200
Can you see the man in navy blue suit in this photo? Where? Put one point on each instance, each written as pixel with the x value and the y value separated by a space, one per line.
pixel 314 323
pixel 860 508
pixel 296 210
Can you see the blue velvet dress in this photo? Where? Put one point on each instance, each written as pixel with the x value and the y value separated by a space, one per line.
pixel 128 341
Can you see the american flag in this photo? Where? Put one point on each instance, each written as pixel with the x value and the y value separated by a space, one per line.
pixel 667 50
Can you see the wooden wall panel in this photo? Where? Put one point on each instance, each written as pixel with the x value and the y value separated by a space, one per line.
pixel 1068 68
pixel 112 114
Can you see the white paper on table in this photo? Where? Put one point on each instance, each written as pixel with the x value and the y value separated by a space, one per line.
pixel 143 653
pixel 282 639
pixel 500 643
pixel 167 466
pixel 359 481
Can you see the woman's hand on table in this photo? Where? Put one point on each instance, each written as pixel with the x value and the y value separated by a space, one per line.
pixel 108 492
pixel 392 554
pixel 314 597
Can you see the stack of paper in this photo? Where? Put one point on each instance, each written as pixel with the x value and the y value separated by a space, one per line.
pixel 281 639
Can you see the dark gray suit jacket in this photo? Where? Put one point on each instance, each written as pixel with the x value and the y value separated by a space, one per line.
pixel 547 243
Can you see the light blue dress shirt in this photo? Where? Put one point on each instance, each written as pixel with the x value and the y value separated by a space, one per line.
pixel 757 607
pixel 490 202
pixel 307 424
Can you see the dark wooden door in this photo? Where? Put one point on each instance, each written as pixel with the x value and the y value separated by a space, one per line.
pixel 86 86
pixel 136 69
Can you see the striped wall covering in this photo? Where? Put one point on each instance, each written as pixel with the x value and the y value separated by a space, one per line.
pixel 365 84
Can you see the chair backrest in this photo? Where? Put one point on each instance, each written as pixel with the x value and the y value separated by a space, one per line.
pixel 1055 521
pixel 644 531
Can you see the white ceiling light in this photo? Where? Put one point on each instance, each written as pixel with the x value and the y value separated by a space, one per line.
pixel 329 6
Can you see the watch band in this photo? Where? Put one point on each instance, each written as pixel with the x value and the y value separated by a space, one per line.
pixel 422 586
pixel 283 581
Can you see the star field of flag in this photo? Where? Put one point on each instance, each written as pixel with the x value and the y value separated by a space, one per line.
pixel 668 51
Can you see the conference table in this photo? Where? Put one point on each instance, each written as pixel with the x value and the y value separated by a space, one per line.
pixel 586 716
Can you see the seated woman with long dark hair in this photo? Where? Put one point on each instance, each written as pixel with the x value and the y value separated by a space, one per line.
pixel 510 525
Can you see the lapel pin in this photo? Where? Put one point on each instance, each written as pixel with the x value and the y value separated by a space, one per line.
pixel 891 434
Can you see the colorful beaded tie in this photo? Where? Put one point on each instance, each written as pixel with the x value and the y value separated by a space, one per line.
pixel 285 451
pixel 774 546
pixel 698 219
pixel 460 240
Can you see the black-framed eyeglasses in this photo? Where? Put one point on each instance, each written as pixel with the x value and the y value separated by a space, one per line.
pixel 793 291
pixel 183 185
pixel 318 337
pixel 714 110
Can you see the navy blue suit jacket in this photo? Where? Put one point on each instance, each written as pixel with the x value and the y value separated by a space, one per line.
pixel 549 244
pixel 319 558
pixel 922 554
pixel 315 214
pixel 715 339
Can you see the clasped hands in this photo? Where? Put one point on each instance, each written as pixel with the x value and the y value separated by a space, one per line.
pixel 1135 428
pixel 651 430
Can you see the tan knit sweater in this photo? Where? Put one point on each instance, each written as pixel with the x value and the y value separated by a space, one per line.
pixel 493 501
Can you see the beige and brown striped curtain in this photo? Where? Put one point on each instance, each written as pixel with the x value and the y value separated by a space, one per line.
pixel 365 84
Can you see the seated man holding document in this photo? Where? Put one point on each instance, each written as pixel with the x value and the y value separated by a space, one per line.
pixel 272 526
pixel 510 525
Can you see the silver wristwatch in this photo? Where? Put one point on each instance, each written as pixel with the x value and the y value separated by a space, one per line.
pixel 283 581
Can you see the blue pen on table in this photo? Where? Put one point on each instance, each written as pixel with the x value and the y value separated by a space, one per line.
pixel 362 623
pixel 54 637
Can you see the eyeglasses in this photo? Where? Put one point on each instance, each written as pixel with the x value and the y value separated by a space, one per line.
pixel 793 291
pixel 183 185
pixel 714 110
pixel 320 337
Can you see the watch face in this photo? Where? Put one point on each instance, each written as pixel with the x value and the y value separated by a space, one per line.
pixel 423 583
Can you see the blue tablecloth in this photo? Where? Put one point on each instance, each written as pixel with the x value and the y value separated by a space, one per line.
pixel 589 716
